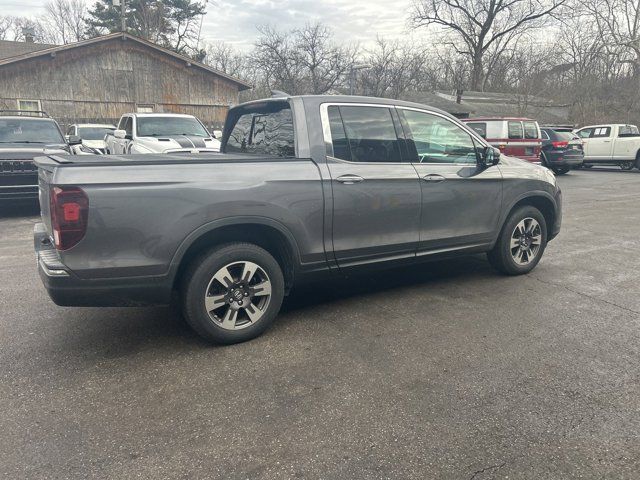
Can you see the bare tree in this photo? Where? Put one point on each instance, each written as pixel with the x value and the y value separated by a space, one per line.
pixel 223 57
pixel 65 19
pixel 302 60
pixel 480 28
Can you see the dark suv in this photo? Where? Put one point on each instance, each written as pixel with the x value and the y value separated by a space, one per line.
pixel 561 150
pixel 23 136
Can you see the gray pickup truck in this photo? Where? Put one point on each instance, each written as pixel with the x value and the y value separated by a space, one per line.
pixel 305 187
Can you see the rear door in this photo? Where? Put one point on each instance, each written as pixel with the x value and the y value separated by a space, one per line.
pixel 460 201
pixel 376 192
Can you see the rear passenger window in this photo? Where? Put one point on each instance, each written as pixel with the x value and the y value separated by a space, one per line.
pixel 338 136
pixel 530 130
pixel 515 130
pixel 264 130
pixel 601 132
pixel 370 134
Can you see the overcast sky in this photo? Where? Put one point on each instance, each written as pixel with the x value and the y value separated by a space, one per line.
pixel 234 21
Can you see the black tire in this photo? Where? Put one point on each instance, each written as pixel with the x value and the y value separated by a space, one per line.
pixel 501 258
pixel 587 165
pixel 197 282
pixel 560 170
pixel 543 160
pixel 627 165
pixel 638 160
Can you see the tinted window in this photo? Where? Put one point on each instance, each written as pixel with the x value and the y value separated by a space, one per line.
pixel 371 134
pixel 530 130
pixel 265 130
pixel 515 130
pixel 601 132
pixel 479 127
pixel 565 136
pixel 438 140
pixel 128 126
pixel 93 133
pixel 16 130
pixel 166 126
pixel 338 136
pixel 545 135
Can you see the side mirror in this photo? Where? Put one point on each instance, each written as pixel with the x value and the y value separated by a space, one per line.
pixel 217 134
pixel 489 156
pixel 120 133
pixel 74 140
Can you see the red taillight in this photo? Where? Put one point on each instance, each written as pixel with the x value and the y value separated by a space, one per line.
pixel 69 213
pixel 560 144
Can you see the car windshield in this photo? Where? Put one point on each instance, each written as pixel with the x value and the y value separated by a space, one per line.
pixel 94 133
pixel 19 130
pixel 165 126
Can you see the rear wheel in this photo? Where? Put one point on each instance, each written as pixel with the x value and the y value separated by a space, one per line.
pixel 560 170
pixel 521 242
pixel 233 293
pixel 627 165
pixel 587 165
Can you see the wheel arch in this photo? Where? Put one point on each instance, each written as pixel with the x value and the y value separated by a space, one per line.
pixel 264 232
pixel 540 200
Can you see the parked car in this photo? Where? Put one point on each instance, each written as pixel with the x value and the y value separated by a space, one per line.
pixel 611 144
pixel 516 137
pixel 24 135
pixel 92 135
pixel 306 186
pixel 160 133
pixel 561 150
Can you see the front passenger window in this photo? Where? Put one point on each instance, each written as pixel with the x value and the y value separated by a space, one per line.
pixel 438 140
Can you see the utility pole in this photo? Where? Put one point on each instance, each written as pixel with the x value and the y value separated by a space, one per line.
pixel 123 19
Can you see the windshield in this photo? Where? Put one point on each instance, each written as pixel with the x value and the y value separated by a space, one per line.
pixel 94 133
pixel 165 126
pixel 18 130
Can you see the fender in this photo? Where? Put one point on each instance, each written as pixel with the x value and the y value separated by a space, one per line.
pixel 530 194
pixel 225 222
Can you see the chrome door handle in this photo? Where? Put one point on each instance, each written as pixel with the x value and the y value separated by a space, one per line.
pixel 349 179
pixel 433 177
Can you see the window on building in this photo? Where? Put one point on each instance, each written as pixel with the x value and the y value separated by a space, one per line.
pixel 29 105
pixel 145 108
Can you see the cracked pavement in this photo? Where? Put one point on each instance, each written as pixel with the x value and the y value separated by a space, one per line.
pixel 444 371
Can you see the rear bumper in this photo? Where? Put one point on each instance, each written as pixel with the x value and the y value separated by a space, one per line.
pixel 562 159
pixel 68 290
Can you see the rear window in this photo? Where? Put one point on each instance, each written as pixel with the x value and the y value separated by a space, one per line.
pixel 515 130
pixel 262 129
pixel 18 130
pixel 479 127
pixel 530 130
pixel 565 136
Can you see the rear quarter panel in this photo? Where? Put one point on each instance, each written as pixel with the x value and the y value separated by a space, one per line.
pixel 140 215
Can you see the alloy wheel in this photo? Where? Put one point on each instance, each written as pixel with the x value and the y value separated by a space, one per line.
pixel 238 295
pixel 526 240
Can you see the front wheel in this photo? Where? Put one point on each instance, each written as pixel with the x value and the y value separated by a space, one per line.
pixel 521 242
pixel 560 170
pixel 233 293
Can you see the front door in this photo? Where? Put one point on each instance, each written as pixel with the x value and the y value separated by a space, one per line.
pixel 600 144
pixel 461 202
pixel 376 195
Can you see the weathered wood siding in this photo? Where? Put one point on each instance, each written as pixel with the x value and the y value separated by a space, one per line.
pixel 100 82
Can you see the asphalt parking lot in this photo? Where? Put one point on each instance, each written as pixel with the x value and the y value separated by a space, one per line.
pixel 443 371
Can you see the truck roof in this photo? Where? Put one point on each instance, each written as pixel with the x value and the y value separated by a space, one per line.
pixel 318 99
pixel 159 115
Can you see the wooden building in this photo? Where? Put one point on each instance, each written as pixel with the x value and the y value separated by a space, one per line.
pixel 99 79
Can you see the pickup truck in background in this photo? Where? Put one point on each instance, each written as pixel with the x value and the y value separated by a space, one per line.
pixel 611 144
pixel 23 136
pixel 160 133
pixel 306 187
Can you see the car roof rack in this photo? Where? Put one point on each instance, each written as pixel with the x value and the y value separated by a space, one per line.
pixel 25 113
